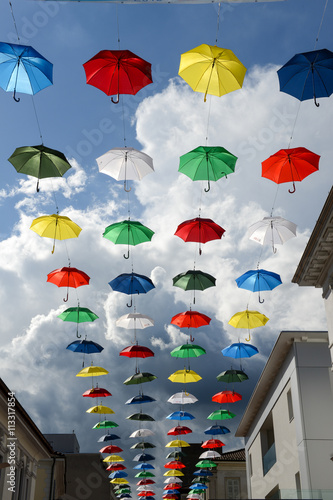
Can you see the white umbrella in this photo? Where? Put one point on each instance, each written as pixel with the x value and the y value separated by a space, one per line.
pixel 182 398
pixel 272 231
pixel 135 321
pixel 125 164
pixel 144 487
pixel 142 433
pixel 210 454
pixel 173 479
pixel 195 495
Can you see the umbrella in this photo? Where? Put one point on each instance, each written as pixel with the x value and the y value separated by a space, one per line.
pixel 211 70
pixel 97 392
pixel 175 480
pixel 272 231
pixel 144 465
pixel 136 351
pixel 68 277
pixel 216 429
pixel 290 165
pixel 174 486
pixel 221 415
pixel 173 473
pixel 139 378
pixel 23 69
pixel 176 454
pixel 141 398
pixel 144 473
pixel 202 472
pixel 131 283
pixel 108 437
pixel 120 480
pixel 94 371
pixel 308 75
pixel 175 464
pixel 143 457
pixel 182 398
pixel 258 280
pixel 240 350
pixel 212 443
pixel 184 376
pixel 210 454
pixel 85 346
pixel 199 230
pixel 177 443
pixel 78 315
pixel 143 417
pixel 111 448
pixel 145 493
pixel 230 376
pixel 58 227
pixel 190 319
pixel 188 351
pixel 141 433
pixel 194 280
pixel 125 164
pixel 248 319
pixel 106 424
pixel 180 415
pixel 208 163
pixel 128 233
pixel 118 72
pixel 115 466
pixel 113 458
pixel 199 486
pixel 39 161
pixel 135 320
pixel 205 463
pixel 143 445
pixel 179 429
pixel 99 409
pixel 117 474
pixel 145 481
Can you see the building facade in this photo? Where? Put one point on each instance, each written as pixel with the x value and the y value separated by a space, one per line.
pixel 229 477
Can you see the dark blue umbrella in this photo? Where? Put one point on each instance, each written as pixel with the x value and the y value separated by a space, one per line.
pixel 118 473
pixel 85 346
pixel 308 75
pixel 124 495
pixel 141 398
pixel 202 472
pixel 131 283
pixel 144 465
pixel 143 457
pixel 180 415
pixel 258 280
pixel 108 437
pixel 240 350
pixel 171 492
pixel 198 486
pixel 23 69
pixel 216 429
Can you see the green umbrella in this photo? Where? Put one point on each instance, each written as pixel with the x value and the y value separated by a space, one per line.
pixel 194 280
pixel 39 161
pixel 188 351
pixel 105 424
pixel 144 473
pixel 230 376
pixel 139 378
pixel 128 233
pixel 78 315
pixel 205 463
pixel 221 415
pixel 207 163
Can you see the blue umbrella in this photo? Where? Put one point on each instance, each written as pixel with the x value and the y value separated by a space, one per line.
pixel 240 350
pixel 108 437
pixel 180 415
pixel 131 283
pixel 23 69
pixel 118 473
pixel 203 473
pixel 144 465
pixel 143 457
pixel 124 495
pixel 141 398
pixel 216 429
pixel 258 280
pixel 171 492
pixel 198 486
pixel 308 75
pixel 85 346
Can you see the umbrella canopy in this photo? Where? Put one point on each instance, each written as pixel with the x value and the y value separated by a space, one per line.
pixel 211 70
pixel 226 397
pixel 210 454
pixel 176 454
pixel 144 473
pixel 78 315
pixel 290 165
pixel 39 161
pixel 202 472
pixel 108 437
pixel 113 458
pixel 248 319
pixel 115 466
pixel 180 415
pixel 145 493
pixel 272 231
pixel 207 163
pixel 221 415
pixel 182 398
pixel 128 233
pixel 117 474
pixel 212 443
pixel 135 320
pixel 141 433
pixel 92 370
pixel 100 409
pixel 131 283
pixel 173 473
pixel 194 280
pixel 179 429
pixel 199 230
pixel 143 457
pixel 214 430
pixel 145 481
pixel 190 319
pixel 177 443
pixel 199 486
pixel 55 226
pixel 140 378
pixel 206 464
pixel 258 280
pixel 106 424
pixel 68 277
pixel 143 445
pixel 111 448
pixel 143 417
pixel 188 351
pixel 308 75
pixel 97 392
pixel 184 376
pixel 173 486
pixel 118 72
pixel 139 399
pixel 85 346
pixel 125 164
pixel 144 465
pixel 231 376
pixel 175 464
pixel 175 480
pixel 23 69
pixel 136 351
pixel 240 350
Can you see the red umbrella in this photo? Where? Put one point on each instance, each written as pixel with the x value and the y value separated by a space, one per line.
pixel 136 351
pixel 290 165
pixel 115 466
pixel 96 392
pixel 111 448
pixel 69 277
pixel 145 493
pixel 172 486
pixel 145 481
pixel 174 464
pixel 118 72
pixel 190 319
pixel 199 230
pixel 171 496
pixel 212 443
pixel 180 429
pixel 226 397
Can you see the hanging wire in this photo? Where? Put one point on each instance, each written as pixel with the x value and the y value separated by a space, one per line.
pixel 117 26
pixel 15 26
pixel 38 125
pixel 321 23
pixel 218 23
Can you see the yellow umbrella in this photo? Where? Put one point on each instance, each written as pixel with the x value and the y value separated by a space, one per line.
pixel 177 443
pixel 173 472
pixel 92 370
pixel 55 226
pixel 119 480
pixel 184 376
pixel 211 70
pixel 99 409
pixel 113 458
pixel 248 319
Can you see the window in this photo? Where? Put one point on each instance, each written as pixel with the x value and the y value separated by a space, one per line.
pixel 298 485
pixel 274 494
pixel 250 465
pixel 290 406
pixel 232 488
pixel 267 445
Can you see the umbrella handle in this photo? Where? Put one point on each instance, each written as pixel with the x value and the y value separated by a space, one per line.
pixel 17 99
pixel 261 301
pixel 77 331
pixel 208 187
pixel 115 101
pixel 274 249
pixel 130 304
pixel 292 190
pixel 37 187
pixel 127 190
pixel 192 338
pixel 126 256
pixel 315 101
pixel 248 340
pixel 66 299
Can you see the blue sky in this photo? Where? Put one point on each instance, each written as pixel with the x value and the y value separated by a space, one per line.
pixel 166 119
